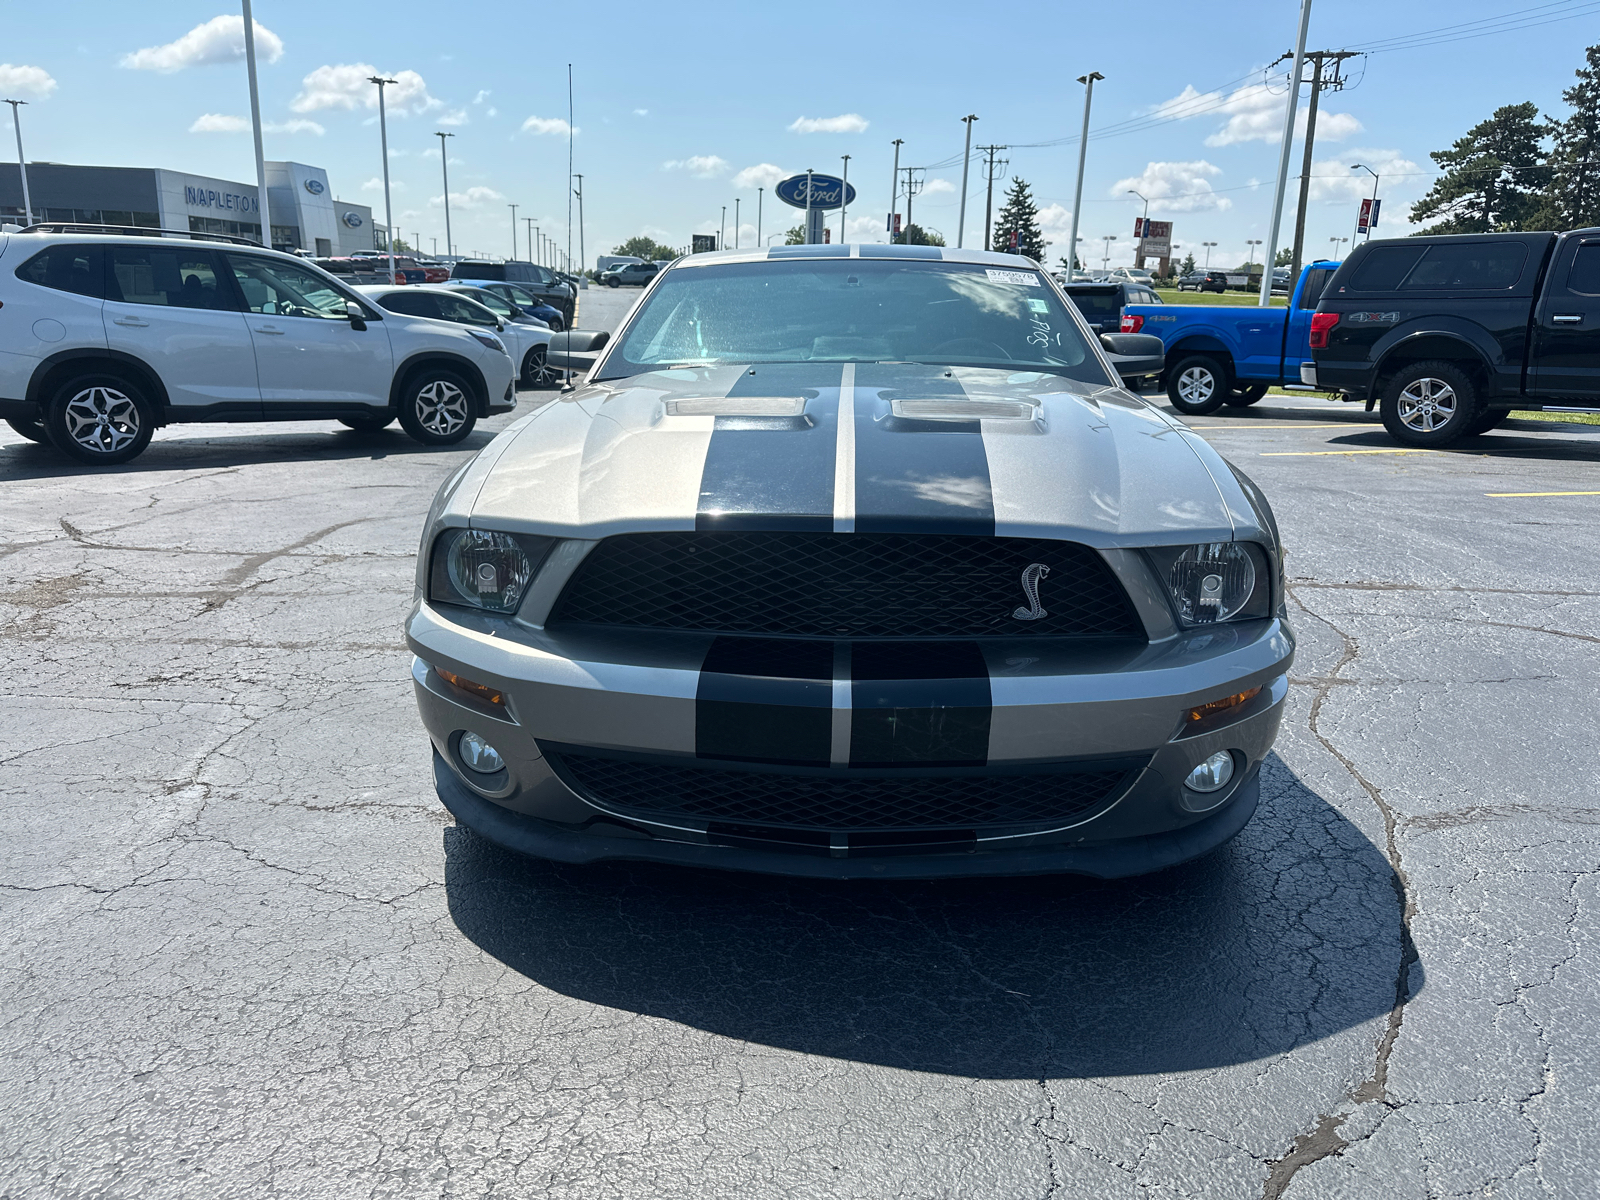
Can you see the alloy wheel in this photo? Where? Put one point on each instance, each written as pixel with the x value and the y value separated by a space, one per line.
pixel 1427 404
pixel 441 407
pixel 1196 385
pixel 102 419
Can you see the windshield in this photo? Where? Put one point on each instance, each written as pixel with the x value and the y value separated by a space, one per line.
pixel 489 300
pixel 855 310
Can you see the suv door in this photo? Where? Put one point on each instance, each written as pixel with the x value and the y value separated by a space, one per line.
pixel 308 355
pixel 169 306
pixel 1566 336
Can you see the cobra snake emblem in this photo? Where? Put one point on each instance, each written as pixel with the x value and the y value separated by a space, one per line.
pixel 1031 574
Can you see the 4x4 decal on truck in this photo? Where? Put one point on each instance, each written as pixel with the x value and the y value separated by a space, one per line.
pixel 1373 318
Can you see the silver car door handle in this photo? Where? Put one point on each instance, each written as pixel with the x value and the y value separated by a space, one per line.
pixel 135 322
pixel 269 329
pixel 1566 319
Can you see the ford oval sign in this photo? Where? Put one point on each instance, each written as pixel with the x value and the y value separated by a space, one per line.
pixel 316 187
pixel 827 191
pixel 353 219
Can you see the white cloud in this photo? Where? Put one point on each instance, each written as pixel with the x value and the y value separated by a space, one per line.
pixel 492 111
pixel 1176 186
pixel 701 166
pixel 1336 179
pixel 26 81
pixel 934 186
pixel 456 116
pixel 763 175
pixel 223 123
pixel 1055 222
pixel 375 184
pixel 473 197
pixel 348 86
pixel 483 94
pixel 846 123
pixel 641 112
pixel 1254 114
pixel 546 125
pixel 219 40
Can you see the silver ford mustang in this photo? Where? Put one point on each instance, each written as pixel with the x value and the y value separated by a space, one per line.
pixel 852 561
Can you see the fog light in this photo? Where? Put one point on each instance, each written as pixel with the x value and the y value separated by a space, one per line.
pixel 477 755
pixel 1210 776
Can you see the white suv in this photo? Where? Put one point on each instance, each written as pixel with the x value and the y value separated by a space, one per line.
pixel 104 336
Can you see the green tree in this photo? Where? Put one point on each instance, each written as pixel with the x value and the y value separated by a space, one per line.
pixel 1284 258
pixel 646 248
pixel 916 235
pixel 1495 177
pixel 1187 267
pixel 797 235
pixel 1021 217
pixel 1573 200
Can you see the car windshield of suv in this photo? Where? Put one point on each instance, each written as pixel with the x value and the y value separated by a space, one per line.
pixel 855 310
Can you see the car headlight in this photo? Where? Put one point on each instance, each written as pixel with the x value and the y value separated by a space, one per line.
pixel 1216 581
pixel 489 340
pixel 482 568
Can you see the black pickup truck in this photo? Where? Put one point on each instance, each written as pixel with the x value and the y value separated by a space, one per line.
pixel 1446 335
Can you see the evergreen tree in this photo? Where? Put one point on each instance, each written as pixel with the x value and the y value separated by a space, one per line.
pixel 1019 216
pixel 1494 177
pixel 1574 196
pixel 1188 267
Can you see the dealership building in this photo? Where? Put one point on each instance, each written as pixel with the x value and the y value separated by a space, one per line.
pixel 305 213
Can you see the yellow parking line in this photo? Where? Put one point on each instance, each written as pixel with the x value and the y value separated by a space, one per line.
pixel 1325 453
pixel 1507 495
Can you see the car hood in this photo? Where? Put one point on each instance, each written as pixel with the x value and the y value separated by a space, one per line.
pixel 870 447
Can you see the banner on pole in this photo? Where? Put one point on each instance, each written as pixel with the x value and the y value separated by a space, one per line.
pixel 1369 216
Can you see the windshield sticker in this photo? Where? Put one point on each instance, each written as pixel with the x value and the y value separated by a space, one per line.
pixel 1025 278
pixel 1039 305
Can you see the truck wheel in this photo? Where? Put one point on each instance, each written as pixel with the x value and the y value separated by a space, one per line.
pixel 1197 385
pixel 99 419
pixel 1487 420
pixel 1245 394
pixel 1430 404
pixel 436 407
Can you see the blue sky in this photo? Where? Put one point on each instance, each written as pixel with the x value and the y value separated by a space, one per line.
pixel 682 109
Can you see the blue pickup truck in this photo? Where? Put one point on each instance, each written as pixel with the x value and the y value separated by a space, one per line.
pixel 1231 354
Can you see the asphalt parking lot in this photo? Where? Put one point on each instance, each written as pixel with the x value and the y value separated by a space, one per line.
pixel 247 953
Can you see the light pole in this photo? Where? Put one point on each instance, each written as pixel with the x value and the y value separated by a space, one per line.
pixel 722 236
pixel 388 208
pixel 1337 242
pixel 1265 298
pixel 444 162
pixel 758 215
pixel 808 206
pixel 1208 246
pixel 1250 255
pixel 894 194
pixel 770 236
pixel 22 163
pixel 1374 174
pixel 736 222
pixel 538 246
pixel 1138 254
pixel 966 160
pixel 255 125
pixel 582 253
pixel 528 221
pixel 844 194
pixel 513 208
pixel 1107 238
pixel 1083 150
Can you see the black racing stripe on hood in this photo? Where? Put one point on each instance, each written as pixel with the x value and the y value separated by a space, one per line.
pixel 917 476
pixel 925 704
pixel 765 700
pixel 774 473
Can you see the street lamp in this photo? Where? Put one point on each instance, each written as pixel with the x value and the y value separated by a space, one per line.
pixel 722 237
pixel 966 160
pixel 513 208
pixel 758 215
pixel 255 127
pixel 1138 257
pixel 1083 150
pixel 388 211
pixel 1107 238
pixel 736 222
pixel 1208 246
pixel 444 163
pixel 1374 174
pixel 1337 242
pixel 1250 255
pixel 22 163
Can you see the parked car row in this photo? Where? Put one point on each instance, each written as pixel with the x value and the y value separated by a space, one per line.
pixel 129 333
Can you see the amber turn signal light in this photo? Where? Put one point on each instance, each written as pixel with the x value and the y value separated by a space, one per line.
pixel 1214 707
pixel 483 691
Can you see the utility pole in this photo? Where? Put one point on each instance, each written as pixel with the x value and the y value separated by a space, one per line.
pixel 1334 84
pixel 912 188
pixel 513 208
pixel 894 193
pixel 22 163
pixel 966 161
pixel 1083 150
pixel 388 210
pixel 1265 298
pixel 989 169
pixel 844 194
pixel 255 126
pixel 444 162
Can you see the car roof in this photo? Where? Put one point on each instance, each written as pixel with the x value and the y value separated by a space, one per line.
pixel 857 250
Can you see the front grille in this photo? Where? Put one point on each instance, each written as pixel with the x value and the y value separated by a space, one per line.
pixel 857 585
pixel 836 800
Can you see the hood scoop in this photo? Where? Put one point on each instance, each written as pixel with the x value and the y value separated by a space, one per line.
pixel 964 408
pixel 737 406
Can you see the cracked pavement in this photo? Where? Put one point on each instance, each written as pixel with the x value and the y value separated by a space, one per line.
pixel 247 953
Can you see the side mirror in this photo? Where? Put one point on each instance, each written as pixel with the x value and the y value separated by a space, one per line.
pixel 499 326
pixel 358 317
pixel 1134 354
pixel 575 350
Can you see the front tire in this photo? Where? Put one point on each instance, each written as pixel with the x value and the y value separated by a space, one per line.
pixel 1197 385
pixel 1245 394
pixel 1430 404
pixel 613 283
pixel 32 430
pixel 436 407
pixel 100 420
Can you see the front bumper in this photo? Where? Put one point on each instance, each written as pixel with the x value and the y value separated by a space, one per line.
pixel 1049 707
